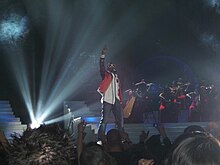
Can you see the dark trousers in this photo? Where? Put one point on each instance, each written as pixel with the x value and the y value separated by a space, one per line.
pixel 106 112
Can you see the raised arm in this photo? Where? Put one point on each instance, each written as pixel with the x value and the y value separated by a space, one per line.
pixel 80 136
pixel 102 62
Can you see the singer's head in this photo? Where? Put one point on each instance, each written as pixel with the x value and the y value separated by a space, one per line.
pixel 111 67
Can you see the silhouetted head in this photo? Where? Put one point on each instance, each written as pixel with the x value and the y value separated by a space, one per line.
pixel 197 150
pixel 193 128
pixel 114 138
pixel 94 155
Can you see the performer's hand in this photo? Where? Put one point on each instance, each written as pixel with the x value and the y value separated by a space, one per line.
pixel 104 50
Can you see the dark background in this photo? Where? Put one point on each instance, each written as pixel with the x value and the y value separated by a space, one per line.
pixel 153 39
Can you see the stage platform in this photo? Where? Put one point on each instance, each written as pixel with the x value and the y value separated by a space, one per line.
pixel 173 130
pixel 10 124
pixel 91 115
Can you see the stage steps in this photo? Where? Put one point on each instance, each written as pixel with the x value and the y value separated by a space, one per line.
pixel 173 130
pixel 8 122
pixel 74 109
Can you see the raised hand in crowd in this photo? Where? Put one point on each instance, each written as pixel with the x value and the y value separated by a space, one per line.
pixel 145 162
pixel 214 129
pixel 80 136
pixel 81 127
pixel 143 136
pixel 161 130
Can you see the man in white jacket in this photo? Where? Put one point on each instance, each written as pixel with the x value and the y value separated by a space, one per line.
pixel 111 95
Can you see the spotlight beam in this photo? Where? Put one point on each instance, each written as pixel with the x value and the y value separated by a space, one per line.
pixel 20 72
pixel 57 83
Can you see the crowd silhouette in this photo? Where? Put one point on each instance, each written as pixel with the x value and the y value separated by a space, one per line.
pixel 52 145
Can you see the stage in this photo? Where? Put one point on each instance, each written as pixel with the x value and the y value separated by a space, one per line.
pixel 10 124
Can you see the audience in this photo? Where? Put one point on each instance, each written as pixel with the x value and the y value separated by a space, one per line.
pixel 95 155
pixel 4 149
pixel 145 162
pixel 114 145
pixel 196 149
pixel 157 147
pixel 46 145
pixel 91 153
pixel 51 145
pixel 193 128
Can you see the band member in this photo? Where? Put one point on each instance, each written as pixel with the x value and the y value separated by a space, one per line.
pixel 111 95
pixel 194 112
pixel 129 103
pixel 179 86
pixel 141 89
pixel 139 102
pixel 203 103
pixel 167 108
pixel 206 101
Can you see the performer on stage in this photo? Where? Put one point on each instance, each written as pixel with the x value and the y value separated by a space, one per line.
pixel 206 101
pixel 167 108
pixel 138 103
pixel 194 108
pixel 141 89
pixel 111 95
